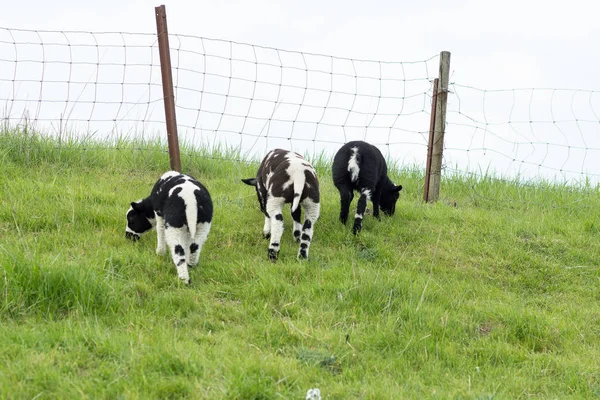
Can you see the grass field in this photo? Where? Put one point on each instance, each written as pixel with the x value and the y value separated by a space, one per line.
pixel 492 292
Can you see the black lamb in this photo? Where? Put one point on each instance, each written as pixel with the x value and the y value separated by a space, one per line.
pixel 360 166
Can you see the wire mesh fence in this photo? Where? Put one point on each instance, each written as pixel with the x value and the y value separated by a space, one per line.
pixel 531 134
pixel 252 98
pixel 236 95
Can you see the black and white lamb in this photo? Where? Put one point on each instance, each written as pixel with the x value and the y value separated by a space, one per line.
pixel 286 177
pixel 181 209
pixel 360 166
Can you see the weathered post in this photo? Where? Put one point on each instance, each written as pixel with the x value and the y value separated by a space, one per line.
pixel 167 84
pixel 437 146
pixel 430 141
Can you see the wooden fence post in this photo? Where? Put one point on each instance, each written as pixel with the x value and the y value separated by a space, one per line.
pixel 437 145
pixel 167 84
pixel 430 142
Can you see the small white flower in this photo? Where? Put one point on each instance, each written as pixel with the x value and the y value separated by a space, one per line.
pixel 313 394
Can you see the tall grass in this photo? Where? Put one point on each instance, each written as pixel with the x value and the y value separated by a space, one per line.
pixel 492 292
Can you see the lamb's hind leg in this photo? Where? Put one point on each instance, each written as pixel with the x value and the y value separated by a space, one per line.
pixel 178 242
pixel 296 215
pixel 311 214
pixel 346 196
pixel 202 231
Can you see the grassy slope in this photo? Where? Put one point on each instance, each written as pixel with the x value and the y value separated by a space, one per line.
pixel 496 297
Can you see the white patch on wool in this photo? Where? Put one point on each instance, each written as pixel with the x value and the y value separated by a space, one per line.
pixel 287 184
pixel 269 157
pixel 268 181
pixel 169 174
pixel 191 206
pixel 367 193
pixel 296 171
pixel 359 216
pixel 353 167
pixel 296 162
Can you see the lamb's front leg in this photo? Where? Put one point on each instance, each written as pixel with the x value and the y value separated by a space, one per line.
pixel 160 236
pixel 375 199
pixel 361 207
pixel 267 227
pixel 178 241
pixel 274 208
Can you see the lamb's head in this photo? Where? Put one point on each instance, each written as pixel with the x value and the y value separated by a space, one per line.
pixel 139 220
pixel 389 196
pixel 254 182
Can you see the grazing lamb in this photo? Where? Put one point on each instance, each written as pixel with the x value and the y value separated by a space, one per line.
pixel 181 209
pixel 360 166
pixel 286 177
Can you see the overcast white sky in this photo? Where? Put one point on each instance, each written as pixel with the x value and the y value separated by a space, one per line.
pixel 494 45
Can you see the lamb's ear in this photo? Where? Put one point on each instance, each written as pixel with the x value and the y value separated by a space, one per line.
pixel 250 181
pixel 397 188
pixel 135 206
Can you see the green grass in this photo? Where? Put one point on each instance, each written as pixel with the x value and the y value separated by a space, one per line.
pixel 492 292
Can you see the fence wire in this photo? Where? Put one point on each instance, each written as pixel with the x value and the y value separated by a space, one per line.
pixel 102 85
pixel 531 134
pixel 228 94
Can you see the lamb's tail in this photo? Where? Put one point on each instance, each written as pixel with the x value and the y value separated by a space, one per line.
pixel 191 208
pixel 299 181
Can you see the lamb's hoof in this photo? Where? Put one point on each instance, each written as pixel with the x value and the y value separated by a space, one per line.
pixel 132 236
pixel 272 255
pixel 297 236
pixel 187 281
pixel 356 229
pixel 160 252
pixel 267 235
pixel 302 255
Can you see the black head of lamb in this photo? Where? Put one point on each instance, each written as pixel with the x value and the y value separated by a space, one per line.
pixel 140 218
pixel 390 194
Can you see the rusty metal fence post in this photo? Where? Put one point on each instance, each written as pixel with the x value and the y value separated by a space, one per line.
pixel 167 84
